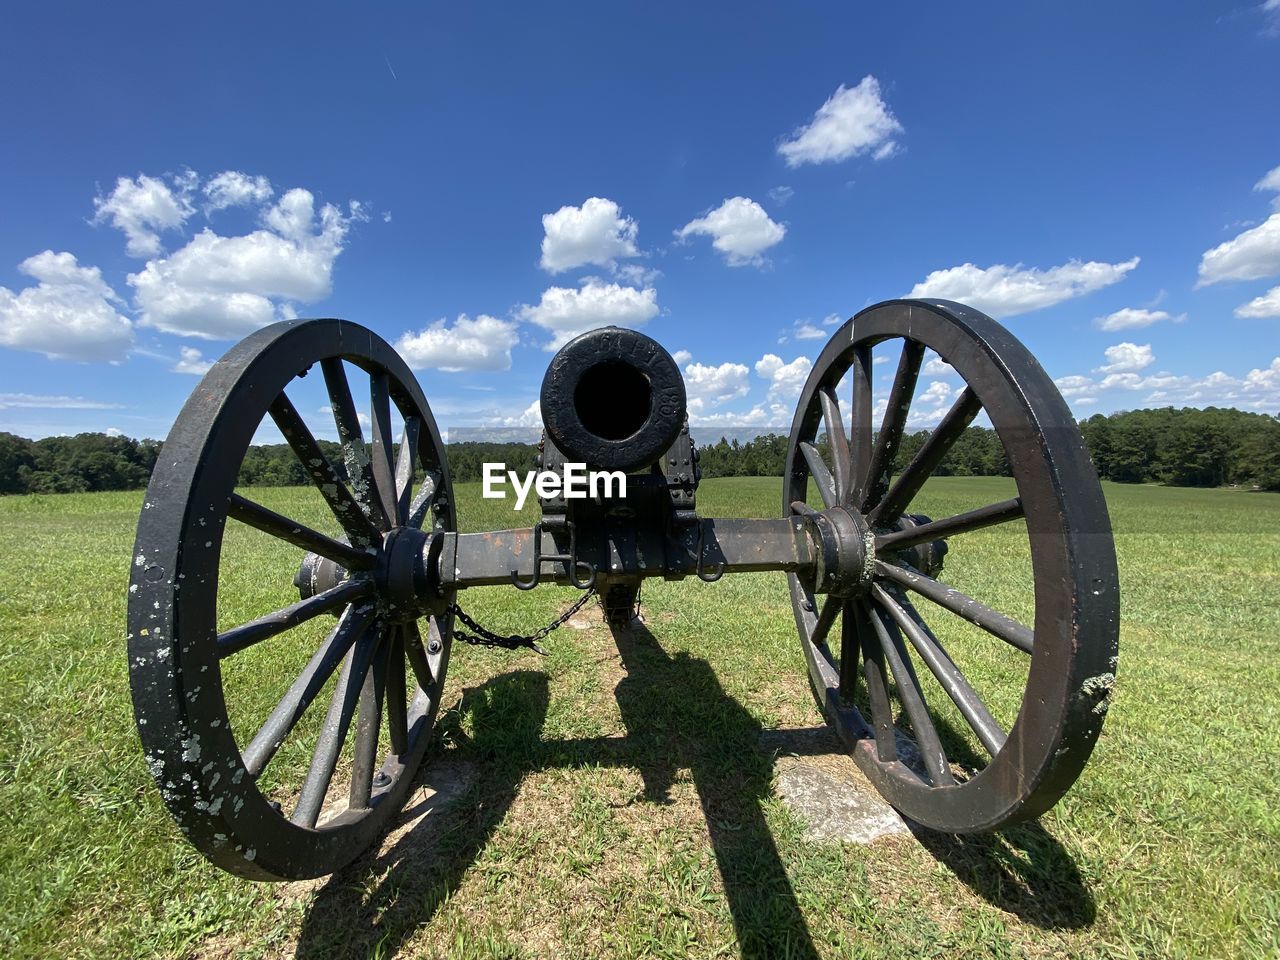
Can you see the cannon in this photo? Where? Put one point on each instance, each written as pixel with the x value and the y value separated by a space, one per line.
pixel 866 574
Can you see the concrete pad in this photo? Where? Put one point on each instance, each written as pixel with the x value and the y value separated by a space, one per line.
pixel 823 787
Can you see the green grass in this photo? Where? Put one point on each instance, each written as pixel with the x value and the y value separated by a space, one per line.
pixel 616 798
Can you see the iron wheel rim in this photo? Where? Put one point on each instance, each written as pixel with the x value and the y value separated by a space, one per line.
pixel 176 679
pixel 1076 588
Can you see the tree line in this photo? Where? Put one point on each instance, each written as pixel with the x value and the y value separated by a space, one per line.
pixel 1187 448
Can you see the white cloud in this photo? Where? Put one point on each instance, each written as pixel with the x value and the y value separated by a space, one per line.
pixel 1127 381
pixel 39 401
pixel 636 275
pixel 1259 389
pixel 567 312
pixel 681 357
pixel 1271 181
pixel 1270 10
pixel 530 416
pixel 142 208
pixel 1074 386
pixel 1127 358
pixel 761 415
pixel 595 233
pixel 481 344
pixel 1005 291
pixel 1132 318
pixel 854 121
pixel 69 315
pixel 1252 255
pixel 1267 305
pixel 937 393
pixel 711 386
pixel 231 188
pixel 191 360
pixel 780 195
pixel 785 379
pixel 831 319
pixel 935 366
pixel 221 288
pixel 804 330
pixel 740 229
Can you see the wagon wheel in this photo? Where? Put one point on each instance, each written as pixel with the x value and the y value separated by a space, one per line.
pixel 855 612
pixel 214 775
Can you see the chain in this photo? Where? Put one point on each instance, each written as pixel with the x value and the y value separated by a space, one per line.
pixel 483 637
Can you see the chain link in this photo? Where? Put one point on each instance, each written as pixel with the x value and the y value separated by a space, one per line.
pixel 483 637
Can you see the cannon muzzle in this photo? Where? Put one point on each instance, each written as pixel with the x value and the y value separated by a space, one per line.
pixel 613 399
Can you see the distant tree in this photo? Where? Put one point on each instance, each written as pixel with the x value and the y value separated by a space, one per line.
pixel 1131 445
pixel 16 461
pixel 1188 447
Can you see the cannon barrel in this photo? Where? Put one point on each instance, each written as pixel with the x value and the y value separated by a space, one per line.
pixel 613 399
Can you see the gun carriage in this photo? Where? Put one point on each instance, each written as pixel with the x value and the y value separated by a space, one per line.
pixel 858 562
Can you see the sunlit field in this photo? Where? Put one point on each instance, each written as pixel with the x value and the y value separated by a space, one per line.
pixel 616 796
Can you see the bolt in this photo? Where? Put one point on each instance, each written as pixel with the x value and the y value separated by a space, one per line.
pixel 381 779
pixel 433 646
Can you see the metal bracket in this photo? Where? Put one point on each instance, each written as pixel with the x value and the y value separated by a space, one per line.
pixel 570 560
pixel 717 570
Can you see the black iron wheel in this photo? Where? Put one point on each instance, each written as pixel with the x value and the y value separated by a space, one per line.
pixel 877 667
pixel 215 769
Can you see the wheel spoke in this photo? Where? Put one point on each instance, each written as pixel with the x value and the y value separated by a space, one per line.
pixel 397 718
pixel 912 698
pixel 931 651
pixel 422 502
pixel 333 734
pixel 369 724
pixel 384 480
pixel 826 617
pixel 895 422
pixel 858 642
pixel 949 598
pixel 281 527
pixel 354 452
pixel 359 528
pixel 305 689
pixel 838 442
pixel 860 437
pixel 987 516
pixel 417 656
pixel 909 482
pixel 821 475
pixel 406 463
pixel 278 621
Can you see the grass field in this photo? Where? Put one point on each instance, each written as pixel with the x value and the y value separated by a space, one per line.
pixel 615 799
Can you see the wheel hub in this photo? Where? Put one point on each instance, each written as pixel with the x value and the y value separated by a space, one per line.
pixel 406 575
pixel 845 554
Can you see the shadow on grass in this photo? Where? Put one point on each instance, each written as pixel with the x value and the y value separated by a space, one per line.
pixel 1021 869
pixel 678 718
pixel 374 905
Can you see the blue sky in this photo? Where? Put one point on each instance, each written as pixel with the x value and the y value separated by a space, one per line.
pixel 476 183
